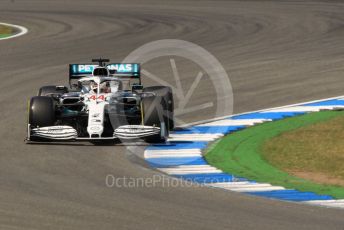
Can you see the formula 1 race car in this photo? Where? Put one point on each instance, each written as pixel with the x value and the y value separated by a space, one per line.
pixel 103 101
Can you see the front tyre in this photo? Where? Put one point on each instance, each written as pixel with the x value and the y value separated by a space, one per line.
pixel 166 94
pixel 154 114
pixel 41 112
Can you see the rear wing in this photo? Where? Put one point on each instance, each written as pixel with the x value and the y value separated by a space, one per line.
pixel 77 71
pixel 120 70
pixel 132 70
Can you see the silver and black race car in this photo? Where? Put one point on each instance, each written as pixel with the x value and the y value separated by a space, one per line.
pixel 103 101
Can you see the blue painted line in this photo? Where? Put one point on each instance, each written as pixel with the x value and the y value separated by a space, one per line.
pixel 325 103
pixel 179 145
pixel 208 129
pixel 206 178
pixel 291 195
pixel 164 162
pixel 268 115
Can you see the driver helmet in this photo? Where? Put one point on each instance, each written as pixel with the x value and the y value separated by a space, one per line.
pixel 94 86
pixel 105 87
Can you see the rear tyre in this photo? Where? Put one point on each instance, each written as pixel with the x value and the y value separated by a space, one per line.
pixel 51 90
pixel 166 93
pixel 154 114
pixel 41 112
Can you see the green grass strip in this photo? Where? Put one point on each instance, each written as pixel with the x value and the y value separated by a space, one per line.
pixel 5 31
pixel 240 154
pixel 5 35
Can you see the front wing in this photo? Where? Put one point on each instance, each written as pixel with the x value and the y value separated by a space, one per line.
pixel 68 133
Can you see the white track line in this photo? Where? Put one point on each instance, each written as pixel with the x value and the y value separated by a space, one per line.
pixel 22 30
pixel 327 203
pixel 198 123
pixel 225 184
pixel 306 109
pixel 190 169
pixel 237 122
pixel 254 188
pixel 194 137
pixel 247 186
pixel 172 153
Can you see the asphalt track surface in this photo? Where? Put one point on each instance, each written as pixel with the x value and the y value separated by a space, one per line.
pixel 276 53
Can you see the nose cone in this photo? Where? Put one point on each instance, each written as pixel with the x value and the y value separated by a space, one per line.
pixel 95 130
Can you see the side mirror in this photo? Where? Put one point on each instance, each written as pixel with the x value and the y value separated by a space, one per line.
pixel 136 87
